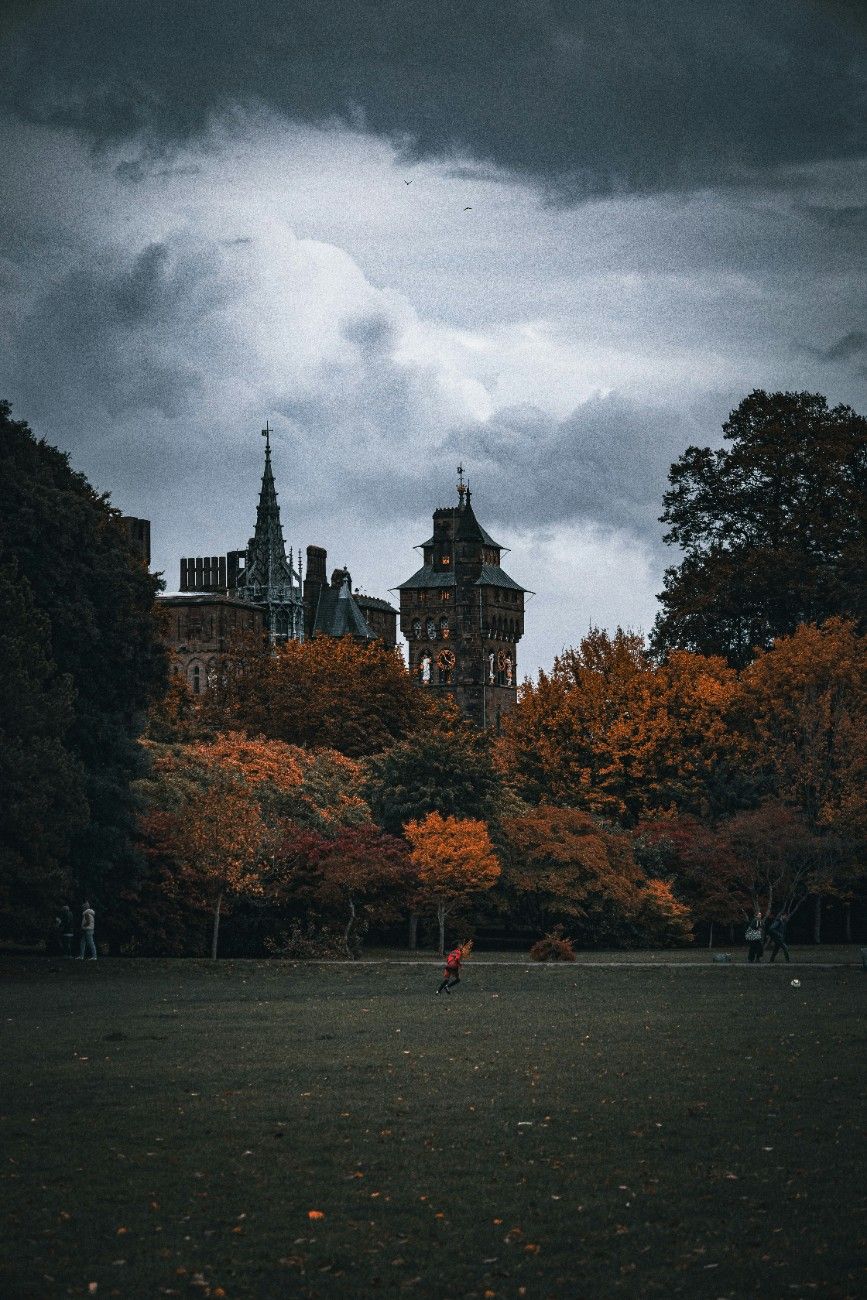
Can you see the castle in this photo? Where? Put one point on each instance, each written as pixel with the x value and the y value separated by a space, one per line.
pixel 259 590
pixel 461 613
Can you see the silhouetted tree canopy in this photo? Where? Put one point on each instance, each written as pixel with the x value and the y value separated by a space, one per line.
pixel 96 623
pixel 771 528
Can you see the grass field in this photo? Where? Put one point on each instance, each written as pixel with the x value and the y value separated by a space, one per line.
pixel 585 1131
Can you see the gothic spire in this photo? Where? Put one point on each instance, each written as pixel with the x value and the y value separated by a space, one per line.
pixel 269 576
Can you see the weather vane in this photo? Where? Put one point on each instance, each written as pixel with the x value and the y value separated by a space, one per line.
pixel 461 487
pixel 266 434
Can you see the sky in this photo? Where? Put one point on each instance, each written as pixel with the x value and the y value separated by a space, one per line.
pixel 557 242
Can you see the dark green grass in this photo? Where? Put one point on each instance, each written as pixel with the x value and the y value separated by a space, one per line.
pixel 577 1132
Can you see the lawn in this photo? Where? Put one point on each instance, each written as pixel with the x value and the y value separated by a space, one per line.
pixel 167 1128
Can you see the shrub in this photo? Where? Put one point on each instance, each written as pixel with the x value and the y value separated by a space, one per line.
pixel 306 943
pixel 554 946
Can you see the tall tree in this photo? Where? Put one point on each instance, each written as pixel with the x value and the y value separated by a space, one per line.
pixel 771 527
pixel 454 859
pixel 366 875
pixel 563 865
pixel 218 840
pixel 97 599
pixel 613 733
pixel 43 803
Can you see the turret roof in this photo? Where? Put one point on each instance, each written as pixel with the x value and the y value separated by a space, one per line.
pixel 338 614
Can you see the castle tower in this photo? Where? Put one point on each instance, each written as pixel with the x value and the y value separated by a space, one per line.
pixel 268 577
pixel 462 615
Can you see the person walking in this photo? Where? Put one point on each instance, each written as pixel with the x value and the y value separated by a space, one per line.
pixel 67 928
pixel 452 971
pixel 88 925
pixel 777 935
pixel 755 937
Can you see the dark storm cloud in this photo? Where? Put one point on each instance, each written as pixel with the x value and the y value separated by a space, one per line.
pixel 605 96
pixel 606 463
pixel 108 331
pixel 853 344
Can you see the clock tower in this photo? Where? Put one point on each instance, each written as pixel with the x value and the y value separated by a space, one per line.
pixel 462 615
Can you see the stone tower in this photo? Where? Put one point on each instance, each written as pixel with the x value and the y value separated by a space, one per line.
pixel 462 615
pixel 268 578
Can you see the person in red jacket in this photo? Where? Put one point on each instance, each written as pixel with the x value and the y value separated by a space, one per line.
pixel 452 971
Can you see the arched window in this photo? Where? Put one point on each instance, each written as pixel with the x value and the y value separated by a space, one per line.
pixel 444 628
pixel 197 680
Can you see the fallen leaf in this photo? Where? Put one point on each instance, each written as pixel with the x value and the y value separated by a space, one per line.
pixel 315 1214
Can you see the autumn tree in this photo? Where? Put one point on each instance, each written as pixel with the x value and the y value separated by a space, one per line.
pixel 564 865
pixel 454 859
pixel 698 861
pixel 615 734
pixel 771 528
pixel 803 714
pixel 363 874
pixel 218 840
pixel 323 692
pixel 772 857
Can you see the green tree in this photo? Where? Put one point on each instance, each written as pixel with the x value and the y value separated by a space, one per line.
pixel 444 770
pixel 771 527
pixel 43 803
pixel 100 630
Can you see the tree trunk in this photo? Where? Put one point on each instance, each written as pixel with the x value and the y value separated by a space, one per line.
pixel 817 919
pixel 710 936
pixel 216 933
pixel 441 918
pixel 347 933
pixel 847 921
pixel 413 931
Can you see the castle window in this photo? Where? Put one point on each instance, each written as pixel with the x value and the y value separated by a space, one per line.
pixel 445 595
pixel 197 681
pixel 446 559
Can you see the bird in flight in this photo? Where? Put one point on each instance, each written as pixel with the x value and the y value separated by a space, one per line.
pixel 407 182
pixel 467 209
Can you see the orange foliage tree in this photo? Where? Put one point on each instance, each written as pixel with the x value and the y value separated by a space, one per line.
pixel 217 838
pixel 323 692
pixel 692 853
pixel 454 859
pixel 613 733
pixel 267 784
pixel 803 714
pixel 563 864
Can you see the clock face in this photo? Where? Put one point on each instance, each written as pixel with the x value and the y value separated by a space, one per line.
pixel 431 629
pixel 416 628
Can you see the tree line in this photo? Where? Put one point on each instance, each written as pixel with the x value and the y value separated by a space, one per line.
pixel 638 791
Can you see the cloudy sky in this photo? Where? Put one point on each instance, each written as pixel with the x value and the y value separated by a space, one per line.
pixel 555 240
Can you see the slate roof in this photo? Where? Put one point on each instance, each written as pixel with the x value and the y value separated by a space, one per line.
pixel 493 576
pixel 482 535
pixel 372 602
pixel 337 614
pixel 427 576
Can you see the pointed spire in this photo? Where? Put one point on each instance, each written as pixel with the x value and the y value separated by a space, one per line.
pixel 269 577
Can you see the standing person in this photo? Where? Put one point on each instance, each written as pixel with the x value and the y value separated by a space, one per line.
pixel 777 935
pixel 452 971
pixel 67 927
pixel 755 937
pixel 88 925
